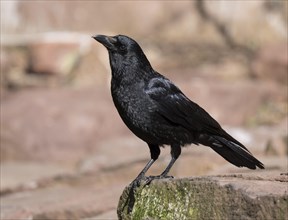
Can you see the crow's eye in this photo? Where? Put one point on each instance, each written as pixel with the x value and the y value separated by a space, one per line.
pixel 122 47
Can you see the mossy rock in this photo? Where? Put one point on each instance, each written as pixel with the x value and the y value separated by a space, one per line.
pixel 197 198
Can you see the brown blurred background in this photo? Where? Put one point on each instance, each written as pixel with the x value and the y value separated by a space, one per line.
pixel 60 133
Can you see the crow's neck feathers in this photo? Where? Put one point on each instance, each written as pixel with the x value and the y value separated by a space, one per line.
pixel 130 66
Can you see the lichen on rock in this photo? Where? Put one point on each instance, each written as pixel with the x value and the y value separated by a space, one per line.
pixel 200 198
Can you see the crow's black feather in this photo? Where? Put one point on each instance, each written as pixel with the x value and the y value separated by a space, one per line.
pixel 156 110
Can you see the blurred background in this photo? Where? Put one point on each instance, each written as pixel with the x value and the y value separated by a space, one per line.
pixel 65 153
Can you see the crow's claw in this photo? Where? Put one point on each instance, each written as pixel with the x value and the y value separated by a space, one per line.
pixel 149 179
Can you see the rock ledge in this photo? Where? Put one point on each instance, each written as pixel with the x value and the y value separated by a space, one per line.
pixel 239 196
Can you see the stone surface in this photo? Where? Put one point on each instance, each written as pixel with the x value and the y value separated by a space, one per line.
pixel 66 197
pixel 238 196
pixel 46 59
pixel 26 174
pixel 53 58
pixel 57 53
pixel 59 202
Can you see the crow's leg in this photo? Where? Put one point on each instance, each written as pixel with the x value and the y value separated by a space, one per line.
pixel 175 153
pixel 154 152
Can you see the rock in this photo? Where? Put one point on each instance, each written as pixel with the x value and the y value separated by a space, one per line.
pixel 14 62
pixel 56 53
pixel 66 197
pixel 26 174
pixel 212 197
pixel 59 202
pixel 46 59
pixel 106 215
pixel 52 58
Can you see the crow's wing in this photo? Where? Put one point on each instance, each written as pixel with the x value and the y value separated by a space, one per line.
pixel 175 107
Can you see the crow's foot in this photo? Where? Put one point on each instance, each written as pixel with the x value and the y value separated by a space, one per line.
pixel 149 179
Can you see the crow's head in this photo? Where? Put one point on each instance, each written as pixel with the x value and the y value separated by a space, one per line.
pixel 118 44
pixel 123 51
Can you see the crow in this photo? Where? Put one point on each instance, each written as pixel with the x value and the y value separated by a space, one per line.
pixel 158 112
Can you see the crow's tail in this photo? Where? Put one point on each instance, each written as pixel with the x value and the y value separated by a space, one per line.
pixel 232 150
pixel 236 153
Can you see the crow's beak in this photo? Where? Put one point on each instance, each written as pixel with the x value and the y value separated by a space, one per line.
pixel 107 41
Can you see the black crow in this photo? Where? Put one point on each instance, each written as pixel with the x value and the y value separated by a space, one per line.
pixel 157 112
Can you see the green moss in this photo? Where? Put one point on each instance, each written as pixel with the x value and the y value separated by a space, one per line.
pixel 168 202
pixel 196 199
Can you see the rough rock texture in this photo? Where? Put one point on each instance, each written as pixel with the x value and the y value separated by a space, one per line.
pixel 236 196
